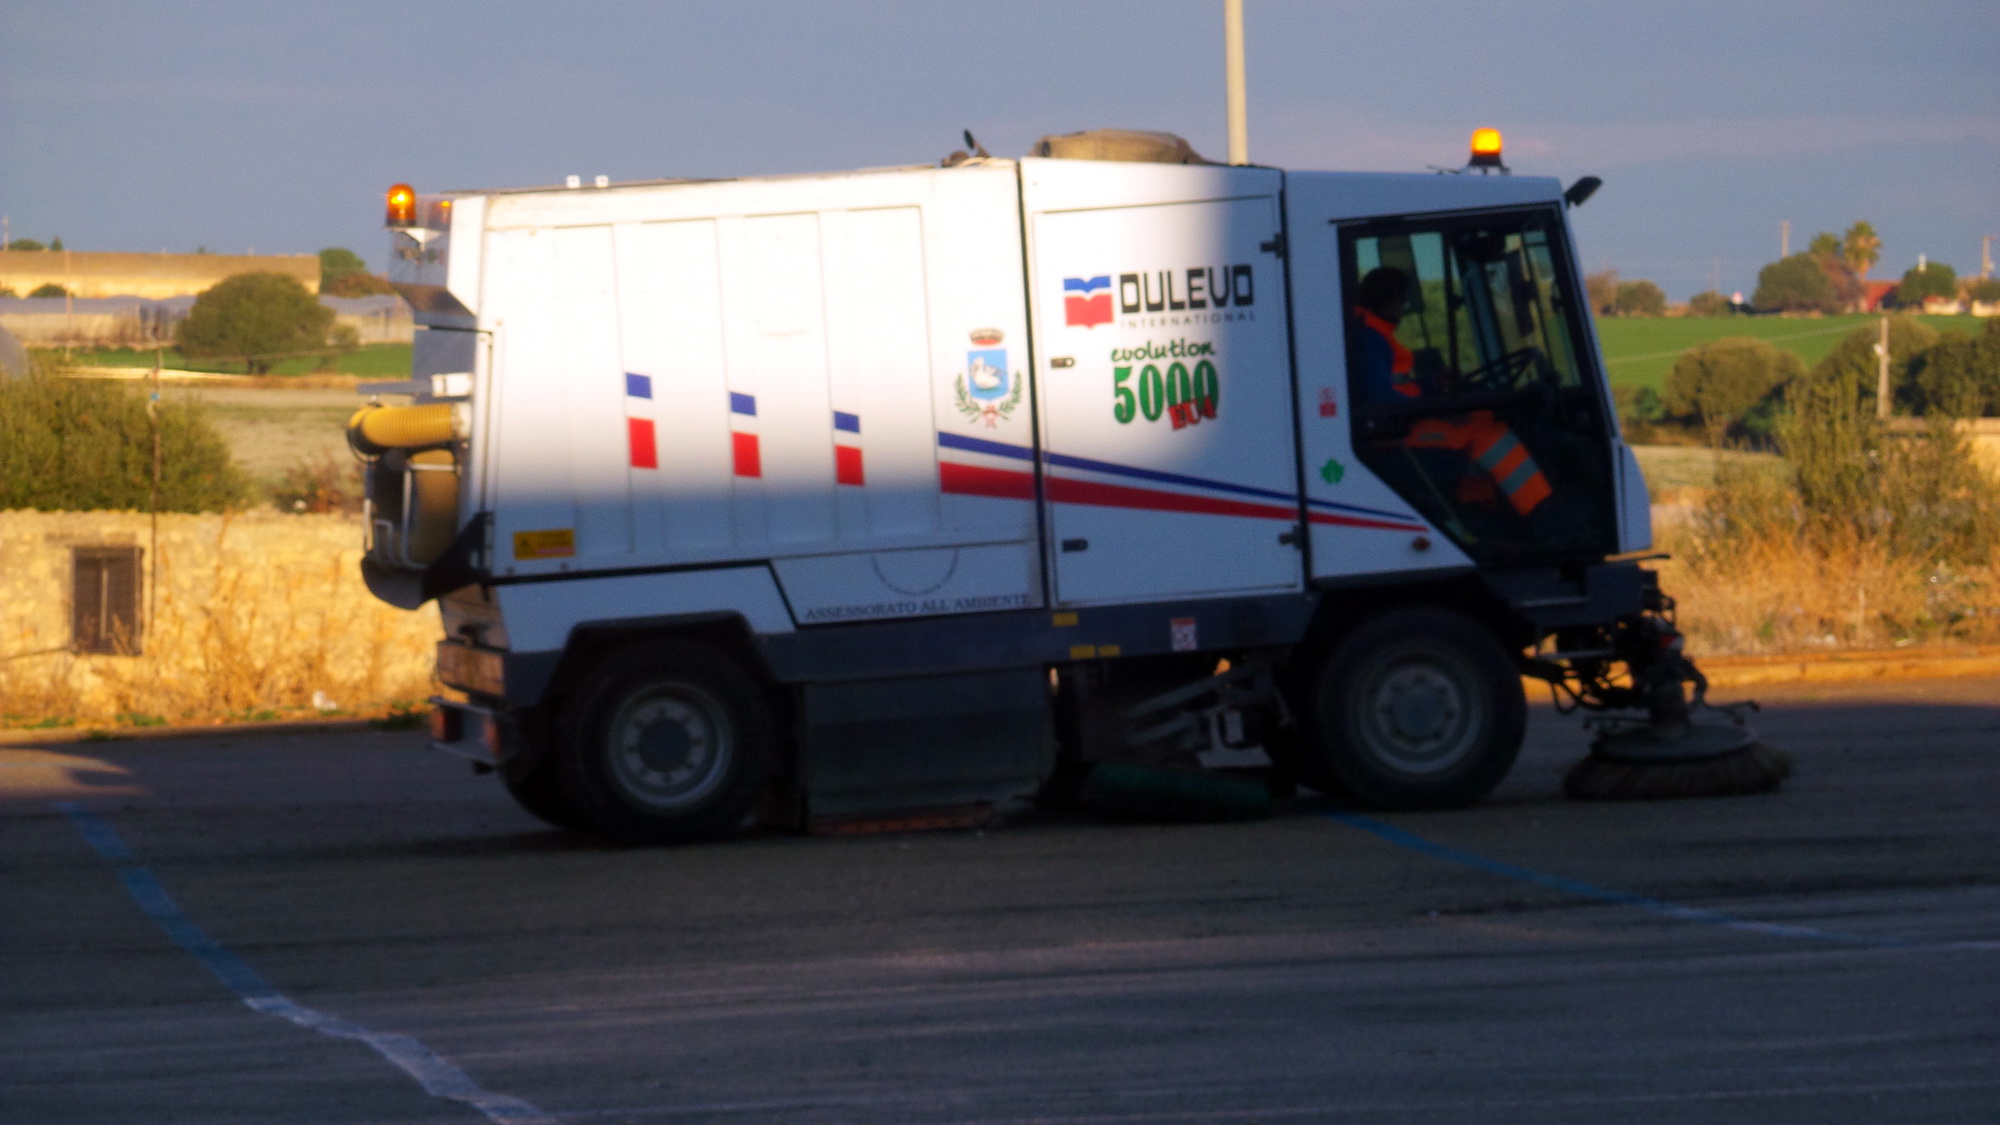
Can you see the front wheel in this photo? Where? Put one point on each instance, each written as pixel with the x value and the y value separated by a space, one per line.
pixel 666 742
pixel 1417 708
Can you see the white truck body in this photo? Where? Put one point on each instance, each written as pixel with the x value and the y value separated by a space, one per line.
pixel 1004 392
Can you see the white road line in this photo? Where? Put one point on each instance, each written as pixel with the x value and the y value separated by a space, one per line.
pixel 439 1078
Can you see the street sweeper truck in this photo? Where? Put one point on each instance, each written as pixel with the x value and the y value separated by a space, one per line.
pixel 909 491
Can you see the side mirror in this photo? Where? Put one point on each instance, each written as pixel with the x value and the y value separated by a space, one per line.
pixel 1581 190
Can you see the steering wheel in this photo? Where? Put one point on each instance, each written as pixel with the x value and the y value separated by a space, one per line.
pixel 1504 373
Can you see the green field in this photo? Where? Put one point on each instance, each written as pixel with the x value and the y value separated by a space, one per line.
pixel 1639 351
pixel 384 360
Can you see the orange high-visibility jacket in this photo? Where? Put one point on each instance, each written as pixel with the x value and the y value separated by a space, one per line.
pixel 1488 441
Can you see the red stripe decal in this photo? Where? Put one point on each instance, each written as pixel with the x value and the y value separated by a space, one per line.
pixel 978 480
pixel 639 435
pixel 847 464
pixel 1064 490
pixel 744 449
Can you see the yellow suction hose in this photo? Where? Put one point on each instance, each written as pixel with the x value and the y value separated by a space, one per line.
pixel 374 430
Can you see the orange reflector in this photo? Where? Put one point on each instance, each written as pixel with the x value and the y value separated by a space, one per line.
pixel 402 206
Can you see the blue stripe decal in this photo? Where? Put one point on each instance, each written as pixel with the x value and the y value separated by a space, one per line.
pixel 1086 284
pixel 742 404
pixel 851 423
pixel 1066 461
pixel 981 445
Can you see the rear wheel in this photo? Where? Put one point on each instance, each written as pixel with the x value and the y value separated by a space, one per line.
pixel 1415 709
pixel 667 741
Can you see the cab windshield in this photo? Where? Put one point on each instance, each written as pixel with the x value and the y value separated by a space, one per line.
pixel 1473 393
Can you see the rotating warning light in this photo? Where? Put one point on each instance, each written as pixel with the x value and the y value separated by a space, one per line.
pixel 402 206
pixel 1486 149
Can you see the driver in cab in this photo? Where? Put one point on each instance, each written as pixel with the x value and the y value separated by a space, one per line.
pixel 1388 375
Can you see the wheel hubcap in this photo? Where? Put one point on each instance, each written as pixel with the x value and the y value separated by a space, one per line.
pixel 1421 715
pixel 670 746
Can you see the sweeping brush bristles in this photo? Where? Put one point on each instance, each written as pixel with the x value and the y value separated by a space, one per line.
pixel 1753 768
pixel 1146 793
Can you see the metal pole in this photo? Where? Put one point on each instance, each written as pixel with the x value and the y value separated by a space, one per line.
pixel 1784 238
pixel 1239 113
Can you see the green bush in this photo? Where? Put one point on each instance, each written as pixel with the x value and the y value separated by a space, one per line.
pixel 1959 376
pixel 1720 384
pixel 48 289
pixel 87 445
pixel 1854 358
pixel 1639 298
pixel 254 317
pixel 1986 290
pixel 1709 303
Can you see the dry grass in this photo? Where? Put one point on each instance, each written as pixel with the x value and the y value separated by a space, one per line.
pixel 1774 593
pixel 256 616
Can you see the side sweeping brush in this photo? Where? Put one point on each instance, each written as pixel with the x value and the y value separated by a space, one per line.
pixel 1650 762
pixel 1668 754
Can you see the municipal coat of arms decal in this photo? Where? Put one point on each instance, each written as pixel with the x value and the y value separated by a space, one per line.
pixel 986 392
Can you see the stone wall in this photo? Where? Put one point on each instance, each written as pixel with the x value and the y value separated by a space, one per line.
pixel 251 613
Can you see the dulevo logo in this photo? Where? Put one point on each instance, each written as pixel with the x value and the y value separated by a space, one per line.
pixel 1201 287
pixel 1087 301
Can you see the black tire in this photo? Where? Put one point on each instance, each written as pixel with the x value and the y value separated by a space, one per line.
pixel 665 742
pixel 539 791
pixel 1417 708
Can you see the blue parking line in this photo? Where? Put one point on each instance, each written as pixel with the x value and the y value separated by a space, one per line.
pixel 438 1078
pixel 1677 912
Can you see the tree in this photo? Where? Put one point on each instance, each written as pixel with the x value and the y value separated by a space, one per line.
pixel 25 244
pixel 1719 384
pixel 342 273
pixel 1709 303
pixel 1602 290
pixel 1933 279
pixel 1795 284
pixel 85 444
pixel 1639 298
pixel 1831 254
pixel 256 317
pixel 1986 290
pixel 56 243
pixel 48 289
pixel 1861 249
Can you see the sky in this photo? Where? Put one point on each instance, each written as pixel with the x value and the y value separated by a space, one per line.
pixel 171 125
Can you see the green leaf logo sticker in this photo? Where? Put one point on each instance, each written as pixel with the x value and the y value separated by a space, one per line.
pixel 1332 471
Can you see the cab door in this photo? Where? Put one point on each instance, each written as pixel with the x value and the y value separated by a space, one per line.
pixel 1167 456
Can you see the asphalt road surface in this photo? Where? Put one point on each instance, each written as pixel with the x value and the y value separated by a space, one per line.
pixel 345 928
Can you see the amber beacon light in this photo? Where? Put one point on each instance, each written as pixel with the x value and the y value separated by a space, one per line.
pixel 1486 149
pixel 402 206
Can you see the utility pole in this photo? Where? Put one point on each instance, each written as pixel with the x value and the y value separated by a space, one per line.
pixel 1882 372
pixel 1239 112
pixel 1985 256
pixel 1784 238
